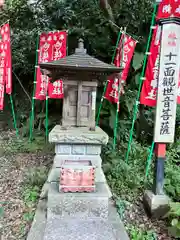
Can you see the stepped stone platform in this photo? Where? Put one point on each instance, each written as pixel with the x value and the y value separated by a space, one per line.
pixel 58 228
pixel 80 230
pixel 79 215
pixel 79 205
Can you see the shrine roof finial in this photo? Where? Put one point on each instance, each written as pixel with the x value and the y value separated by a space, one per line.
pixel 80 49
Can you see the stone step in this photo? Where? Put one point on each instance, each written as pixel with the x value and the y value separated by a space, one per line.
pixel 92 229
pixel 81 205
pixel 79 230
pixel 42 229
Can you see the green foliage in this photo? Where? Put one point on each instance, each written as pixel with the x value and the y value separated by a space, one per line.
pixel 174 216
pixel 34 180
pixel 120 175
pixel 28 217
pixel 139 234
pixel 36 176
pixel 1 212
pixel 172 179
pixel 23 145
pixel 137 60
pixel 121 206
pixel 30 194
pixel 84 18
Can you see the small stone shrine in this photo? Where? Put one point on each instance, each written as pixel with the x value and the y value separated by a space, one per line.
pixel 78 196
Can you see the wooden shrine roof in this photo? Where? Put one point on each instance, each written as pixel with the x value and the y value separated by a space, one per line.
pixel 78 62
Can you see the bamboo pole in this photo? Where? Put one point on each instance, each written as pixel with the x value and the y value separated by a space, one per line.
pixel 31 127
pixel 119 93
pixel 102 98
pixel 13 115
pixel 140 83
pixel 47 113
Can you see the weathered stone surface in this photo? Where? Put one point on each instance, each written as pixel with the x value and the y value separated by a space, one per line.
pixel 38 226
pixel 63 149
pixel 79 204
pixel 51 227
pixel 156 205
pixel 91 228
pixel 44 192
pixel 78 135
pixel 78 149
pixel 54 175
pixel 93 149
pixel 60 159
pixel 79 230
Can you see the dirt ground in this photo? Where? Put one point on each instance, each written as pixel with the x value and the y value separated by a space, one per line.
pixel 14 210
pixel 16 214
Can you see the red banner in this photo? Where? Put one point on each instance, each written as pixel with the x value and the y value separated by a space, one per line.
pixel 5 63
pixel 127 44
pixel 2 73
pixel 128 51
pixel 44 55
pixel 149 88
pixel 111 93
pixel 168 9
pixel 55 90
pixel 5 33
pixel 52 46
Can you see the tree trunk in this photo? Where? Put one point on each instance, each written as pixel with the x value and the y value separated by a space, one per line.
pixel 106 7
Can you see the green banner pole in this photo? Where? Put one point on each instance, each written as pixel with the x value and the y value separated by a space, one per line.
pixel 13 115
pixel 140 82
pixel 119 94
pixel 31 124
pixel 116 119
pixel 47 120
pixel 100 107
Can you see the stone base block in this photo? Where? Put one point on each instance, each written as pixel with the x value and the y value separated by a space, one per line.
pixel 80 205
pixel 157 206
pixel 78 149
pixel 90 229
pixel 54 175
pixel 79 230
pixel 78 135
pixel 53 228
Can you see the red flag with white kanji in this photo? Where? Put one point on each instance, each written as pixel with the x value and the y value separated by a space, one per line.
pixel 55 89
pixel 45 54
pixel 128 46
pixel 2 73
pixel 168 9
pixel 5 34
pixel 149 88
pixel 111 93
pixel 123 57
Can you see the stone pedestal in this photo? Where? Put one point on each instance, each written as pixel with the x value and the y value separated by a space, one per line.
pixel 156 202
pixel 156 205
pixel 79 215
pixel 79 205
pixel 77 144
